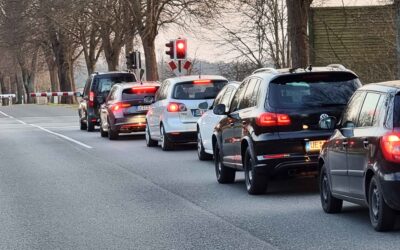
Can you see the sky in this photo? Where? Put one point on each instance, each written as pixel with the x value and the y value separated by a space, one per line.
pixel 200 45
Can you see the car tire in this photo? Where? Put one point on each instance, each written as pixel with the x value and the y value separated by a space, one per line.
pixel 166 144
pixel 150 142
pixel 89 125
pixel 112 134
pixel 102 132
pixel 201 154
pixel 82 125
pixel 329 203
pixel 223 173
pixel 256 183
pixel 382 217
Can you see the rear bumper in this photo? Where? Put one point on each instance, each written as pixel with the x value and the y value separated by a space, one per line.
pixel 182 137
pixel 292 164
pixel 280 153
pixel 136 123
pixel 390 184
pixel 175 125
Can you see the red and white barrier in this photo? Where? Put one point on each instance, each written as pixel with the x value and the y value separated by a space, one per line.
pixel 49 94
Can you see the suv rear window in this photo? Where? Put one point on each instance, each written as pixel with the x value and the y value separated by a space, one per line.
pixel 197 90
pixel 312 90
pixel 104 83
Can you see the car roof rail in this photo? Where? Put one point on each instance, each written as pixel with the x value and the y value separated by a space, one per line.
pixel 337 66
pixel 267 70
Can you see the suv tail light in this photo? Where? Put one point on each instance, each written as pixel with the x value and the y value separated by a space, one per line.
pixel 273 119
pixel 144 90
pixel 91 99
pixel 176 107
pixel 390 145
pixel 119 106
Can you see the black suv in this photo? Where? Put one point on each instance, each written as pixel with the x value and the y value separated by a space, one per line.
pixel 272 126
pixel 361 161
pixel 94 94
pixel 126 107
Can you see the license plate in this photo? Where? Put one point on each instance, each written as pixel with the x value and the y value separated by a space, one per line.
pixel 314 146
pixel 198 112
pixel 138 108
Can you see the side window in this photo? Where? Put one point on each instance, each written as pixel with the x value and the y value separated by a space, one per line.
pixel 237 97
pixel 218 99
pixel 87 87
pixel 350 117
pixel 254 97
pixel 228 96
pixel 246 101
pixel 368 110
pixel 161 93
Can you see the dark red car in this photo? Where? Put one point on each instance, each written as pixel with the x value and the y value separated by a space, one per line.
pixel 125 108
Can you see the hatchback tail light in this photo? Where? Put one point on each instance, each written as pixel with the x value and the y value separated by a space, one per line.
pixel 144 90
pixel 119 106
pixel 390 145
pixel 176 107
pixel 91 99
pixel 273 119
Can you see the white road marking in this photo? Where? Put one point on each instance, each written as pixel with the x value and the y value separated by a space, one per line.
pixel 50 132
pixel 8 116
pixel 62 136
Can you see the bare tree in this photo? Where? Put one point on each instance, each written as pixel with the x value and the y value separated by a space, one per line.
pixel 297 28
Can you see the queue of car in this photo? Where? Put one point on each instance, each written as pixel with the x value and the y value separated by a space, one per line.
pixel 278 122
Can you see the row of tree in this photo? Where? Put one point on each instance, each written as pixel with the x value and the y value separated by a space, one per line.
pixel 51 35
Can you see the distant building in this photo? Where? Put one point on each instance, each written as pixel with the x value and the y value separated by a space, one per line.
pixel 362 38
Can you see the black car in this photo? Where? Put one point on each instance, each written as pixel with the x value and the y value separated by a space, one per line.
pixel 125 108
pixel 272 126
pixel 95 92
pixel 360 163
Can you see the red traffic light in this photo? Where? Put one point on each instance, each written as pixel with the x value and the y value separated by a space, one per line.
pixel 171 51
pixel 181 49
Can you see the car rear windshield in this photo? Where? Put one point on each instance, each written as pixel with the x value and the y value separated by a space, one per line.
pixel 312 90
pixel 104 83
pixel 139 93
pixel 197 90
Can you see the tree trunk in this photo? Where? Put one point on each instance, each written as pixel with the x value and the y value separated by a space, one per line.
pixel 297 25
pixel 20 90
pixel 151 59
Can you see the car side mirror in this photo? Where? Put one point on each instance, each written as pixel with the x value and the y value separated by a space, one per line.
pixel 220 109
pixel 328 123
pixel 203 105
pixel 347 132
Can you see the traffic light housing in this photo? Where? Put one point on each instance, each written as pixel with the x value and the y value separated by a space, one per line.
pixel 130 60
pixel 171 49
pixel 181 49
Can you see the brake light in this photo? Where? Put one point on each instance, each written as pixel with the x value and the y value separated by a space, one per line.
pixel 144 90
pixel 118 106
pixel 176 107
pixel 201 81
pixel 91 99
pixel 273 119
pixel 390 145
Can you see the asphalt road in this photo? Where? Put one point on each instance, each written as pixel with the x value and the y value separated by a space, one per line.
pixel 61 188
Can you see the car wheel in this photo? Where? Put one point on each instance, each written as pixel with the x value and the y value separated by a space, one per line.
pixel 381 215
pixel 112 134
pixel 256 183
pixel 166 144
pixel 102 132
pixel 150 142
pixel 224 174
pixel 203 156
pixel 89 125
pixel 82 124
pixel 329 203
